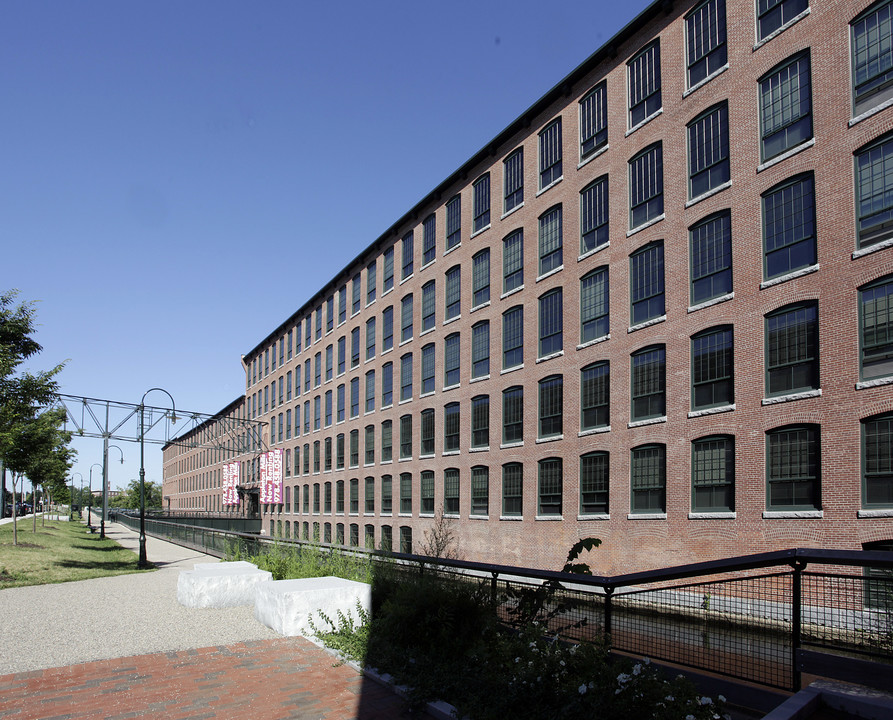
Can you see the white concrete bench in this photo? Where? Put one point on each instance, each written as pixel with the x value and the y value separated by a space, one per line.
pixel 218 585
pixel 287 606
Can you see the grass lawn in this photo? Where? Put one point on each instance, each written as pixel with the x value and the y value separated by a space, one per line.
pixel 58 552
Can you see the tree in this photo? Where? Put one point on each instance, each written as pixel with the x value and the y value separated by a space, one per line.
pixel 130 497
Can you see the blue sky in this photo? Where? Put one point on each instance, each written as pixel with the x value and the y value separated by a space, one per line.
pixel 177 174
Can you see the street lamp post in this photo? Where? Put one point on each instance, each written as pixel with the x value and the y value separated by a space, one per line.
pixel 71 499
pixel 105 481
pixel 90 502
pixel 143 560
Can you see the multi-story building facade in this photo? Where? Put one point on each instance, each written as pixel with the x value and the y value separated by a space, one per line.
pixel 656 309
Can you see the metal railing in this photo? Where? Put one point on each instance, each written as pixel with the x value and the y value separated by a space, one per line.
pixel 762 618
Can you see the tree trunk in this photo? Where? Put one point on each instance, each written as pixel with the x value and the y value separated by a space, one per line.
pixel 34 505
pixel 15 529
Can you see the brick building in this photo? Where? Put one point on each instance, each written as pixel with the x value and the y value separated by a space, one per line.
pixel 655 310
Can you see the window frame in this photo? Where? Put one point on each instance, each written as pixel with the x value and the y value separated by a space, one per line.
pixel 594 305
pixel 595 396
pixel 879 88
pixel 647 284
pixel 550 154
pixel 719 485
pixel 787 132
pixel 877 470
pixel 550 498
pixel 643 75
pixel 513 261
pixel 550 323
pixel 648 486
pixel 595 491
pixel 594 120
pixel 481 204
pixel 594 216
pixel 480 422
pixel 649 401
pixel 709 163
pixel 550 407
pixel 705 56
pixel 706 374
pixel 808 363
pixel 883 330
pixel 646 186
pixel 550 240
pixel 812 480
pixel 513 180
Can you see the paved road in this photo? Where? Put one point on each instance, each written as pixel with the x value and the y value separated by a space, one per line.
pixel 123 647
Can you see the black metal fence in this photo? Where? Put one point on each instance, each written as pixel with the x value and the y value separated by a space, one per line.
pixel 762 618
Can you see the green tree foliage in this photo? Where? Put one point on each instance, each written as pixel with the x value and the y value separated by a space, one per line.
pixel 130 497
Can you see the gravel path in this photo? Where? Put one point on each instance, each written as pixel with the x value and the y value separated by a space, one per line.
pixel 45 626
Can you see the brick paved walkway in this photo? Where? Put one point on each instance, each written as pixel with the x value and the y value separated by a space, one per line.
pixel 269 679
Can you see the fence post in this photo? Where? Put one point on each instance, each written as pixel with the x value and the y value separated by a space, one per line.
pixel 493 576
pixel 796 620
pixel 609 593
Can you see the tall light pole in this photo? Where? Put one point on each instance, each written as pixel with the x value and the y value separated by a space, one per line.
pixel 105 480
pixel 71 498
pixel 143 562
pixel 90 506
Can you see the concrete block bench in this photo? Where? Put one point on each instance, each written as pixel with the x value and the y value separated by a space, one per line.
pixel 219 585
pixel 287 606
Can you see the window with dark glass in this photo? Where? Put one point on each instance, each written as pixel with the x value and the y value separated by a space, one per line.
pixel 711 257
pixel 480 490
pixel 387 384
pixel 877 462
pixel 339 404
pixel 594 474
pixel 785 107
pixel 406 319
pixel 513 337
pixel 595 396
pixel 451 360
pixel 354 498
pixel 481 189
pixel 328 407
pixel 428 360
pixel 649 383
pixel 405 499
pixel 342 352
pixel 357 294
pixel 594 120
pixel 369 445
pixel 371 274
pixel 406 377
pixel 874 192
pixel 339 451
pixel 876 329
pixel 644 84
pixel 428 305
pixel 594 215
pixel 872 44
pixel 426 491
pixel 406 436
pixel 355 347
pixel 708 151
pixel 429 240
pixel 550 240
pixel 370 338
pixel 551 406
pixel 453 297
pixel 427 432
pixel 512 489
pixel 407 255
pixel 789 240
pixel 705 31
pixel 648 478
pixel 388 271
pixel 513 261
pixel 775 14
pixel 453 222
pixel 646 286
pixel 480 278
pixel 370 391
pixel 551 323
pixel 451 427
pixel 792 349
pixel 646 186
pixel 480 349
pixel 387 441
pixel 793 471
pixel 329 360
pixel 513 415
pixel 712 378
pixel 480 421
pixel 354 448
pixel 342 308
pixel 594 305
pixel 551 486
pixel 387 328
pixel 354 397
pixel 513 180
pixel 451 491
pixel 713 474
pixel 387 495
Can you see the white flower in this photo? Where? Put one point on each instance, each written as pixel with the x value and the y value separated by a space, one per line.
pixel 561 662
pixel 722 698
pixel 517 659
pixel 617 692
pixel 637 669
pixel 669 698
pixel 706 701
pixel 623 678
pixel 582 689
pixel 647 661
pixel 689 717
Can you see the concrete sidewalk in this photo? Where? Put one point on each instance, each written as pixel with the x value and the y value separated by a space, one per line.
pixel 122 646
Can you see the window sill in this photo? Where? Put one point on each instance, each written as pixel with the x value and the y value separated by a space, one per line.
pixel 646 516
pixel 590 253
pixel 426 515
pixel 447 453
pixel 511 518
pixel 594 431
pixel 386 462
pixel 785 155
pixel 718 515
pixel 595 516
pixel 386 514
pixel 447 388
pixel 711 302
pixel 793 514
pixel 385 407
pixel 508 446
pixel 429 263
pixel 544 358
pixel 404 514
pixel 649 421
pixel 647 323
pixel 548 518
pixel 480 378
pixel 481 306
pixel 710 193
pixel 368 304
pixel 429 330
pixel 549 186
pixel 698 85
pixel 404 342
pixel 383 352
pixel 405 459
pixel 426 457
pixel 485 448
pixel 872 111
pixel 779 31
pixel 425 394
pixel 478 517
pixel 452 319
pixel 388 290
pixel 879 513
pixel 550 273
pixel 792 397
pixel 553 438
pixel 512 369
pixel 876 382
pixel 882 245
pixel 407 278
pixel 403 402
pixel 512 211
pixel 596 341
pixel 646 225
pixel 789 276
pixel 644 122
pixel 586 161
pixel 478 232
pixel 452 249
pixel 711 411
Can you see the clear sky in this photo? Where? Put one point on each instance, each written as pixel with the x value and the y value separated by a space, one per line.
pixel 180 177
